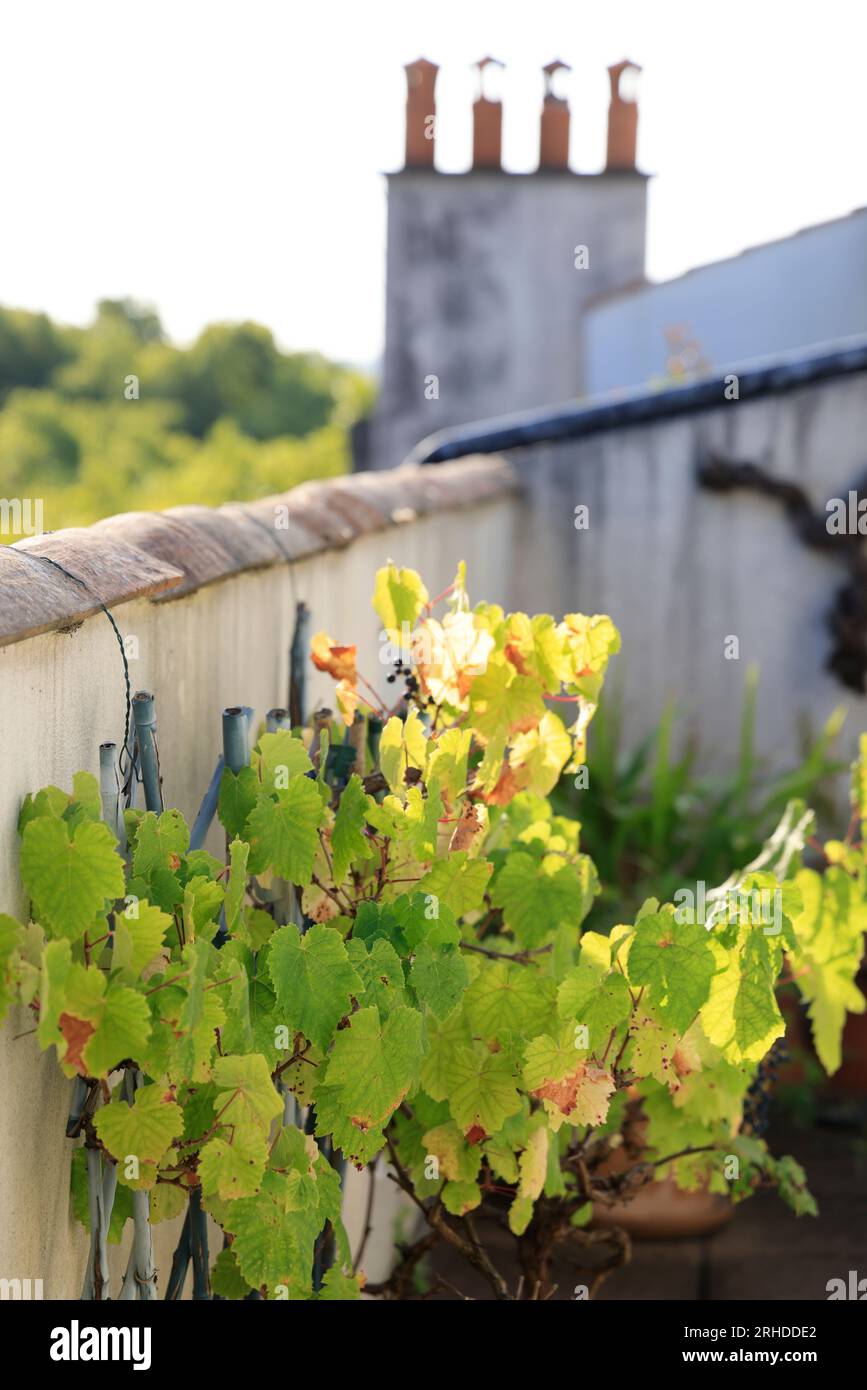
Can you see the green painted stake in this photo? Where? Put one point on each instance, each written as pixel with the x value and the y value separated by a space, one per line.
pixel 375 727
pixel 149 760
pixel 236 752
pixel 109 790
pixel 96 1274
pixel 298 667
pixel 277 719
pixel 199 1246
pixel 180 1262
pixel 140 1280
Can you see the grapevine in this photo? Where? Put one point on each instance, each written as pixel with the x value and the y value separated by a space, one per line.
pixel 388 965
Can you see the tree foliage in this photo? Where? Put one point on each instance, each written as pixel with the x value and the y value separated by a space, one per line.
pixel 113 417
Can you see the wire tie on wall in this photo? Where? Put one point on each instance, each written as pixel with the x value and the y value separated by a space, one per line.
pixel 33 555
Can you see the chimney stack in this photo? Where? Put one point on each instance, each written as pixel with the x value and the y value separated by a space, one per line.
pixel 421 79
pixel 487 123
pixel 554 128
pixel 622 121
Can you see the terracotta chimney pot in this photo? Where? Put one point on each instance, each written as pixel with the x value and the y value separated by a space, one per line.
pixel 421 79
pixel 554 127
pixel 487 123
pixel 622 121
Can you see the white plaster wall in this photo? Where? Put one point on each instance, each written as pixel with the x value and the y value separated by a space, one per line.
pixel 61 695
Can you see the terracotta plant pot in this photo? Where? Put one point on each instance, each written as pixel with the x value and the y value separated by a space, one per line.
pixel 661 1211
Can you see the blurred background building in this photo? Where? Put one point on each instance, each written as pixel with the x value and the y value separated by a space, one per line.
pixel 510 291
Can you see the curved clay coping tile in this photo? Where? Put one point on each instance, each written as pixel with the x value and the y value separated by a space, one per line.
pixel 167 555
pixel 35 597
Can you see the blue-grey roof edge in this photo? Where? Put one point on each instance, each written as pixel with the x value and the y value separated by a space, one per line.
pixel 765 377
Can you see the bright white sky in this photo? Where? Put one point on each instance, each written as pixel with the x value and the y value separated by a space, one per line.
pixel 223 160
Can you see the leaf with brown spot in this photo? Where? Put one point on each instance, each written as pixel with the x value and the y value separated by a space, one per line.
pixel 77 1033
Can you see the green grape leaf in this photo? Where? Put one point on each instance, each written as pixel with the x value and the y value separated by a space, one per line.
pixel 284 834
pixel 374 1065
pixel 577 1091
pixel 503 703
pixel 402 745
pixel 421 829
pixel 457 1160
pixel 378 921
pixel 458 882
pixel 102 1022
pixel 379 968
pixel 272 1247
pixel 238 795
pixel 70 880
pixel 313 980
pixel 741 1016
pixel 226 1278
pixel 439 977
pixel 537 895
pixel 236 887
pixel 246 1094
pixel 348 841
pixel 10 935
pixel 202 902
pixel 652 1048
pixel 791 1182
pixel 145 1129
pixel 56 965
pixel 338 1287
pixel 233 1168
pixel 675 963
pixel 481 1090
pixel 444 1041
pixel 277 757
pixel 829 944
pixel 506 1000
pixel 358 1145
pixel 597 1002
pixel 85 790
pixel 422 917
pixel 447 763
pixel 166 1202
pixel 398 599
pixel 460 1197
pixel 138 939
pixel 160 842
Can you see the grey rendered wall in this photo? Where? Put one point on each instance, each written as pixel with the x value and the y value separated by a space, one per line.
pixel 483 293
pixel 680 568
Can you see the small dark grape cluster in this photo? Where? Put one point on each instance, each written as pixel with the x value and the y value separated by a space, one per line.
pixel 757 1101
pixel 411 683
